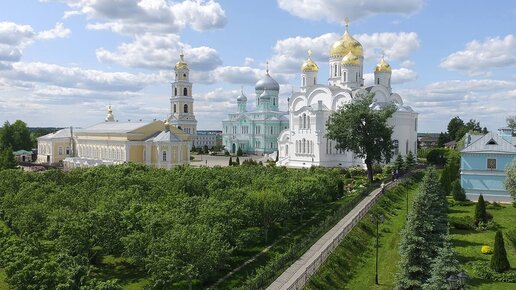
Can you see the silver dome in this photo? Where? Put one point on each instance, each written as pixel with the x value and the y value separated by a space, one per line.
pixel 267 83
pixel 266 95
pixel 241 97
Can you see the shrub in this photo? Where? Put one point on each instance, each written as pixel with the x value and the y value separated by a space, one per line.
pixel 480 210
pixel 499 261
pixel 511 236
pixel 486 226
pixel 239 152
pixel 482 270
pixel 486 250
pixel 462 223
pixel 457 191
pixel 437 156
pixel 226 153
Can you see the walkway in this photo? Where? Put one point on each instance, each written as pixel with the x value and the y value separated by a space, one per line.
pixel 298 274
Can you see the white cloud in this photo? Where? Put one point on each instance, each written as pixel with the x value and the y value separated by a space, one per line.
pixel 399 76
pixel 248 61
pixel 398 46
pixel 154 16
pixel 160 51
pixel 23 73
pixel 478 58
pixel 337 10
pixel 16 37
pixel 59 31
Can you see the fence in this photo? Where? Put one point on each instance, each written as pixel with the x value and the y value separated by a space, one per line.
pixel 303 274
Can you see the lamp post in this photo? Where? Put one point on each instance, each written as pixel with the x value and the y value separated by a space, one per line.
pixel 457 281
pixel 462 279
pixel 452 281
pixel 378 219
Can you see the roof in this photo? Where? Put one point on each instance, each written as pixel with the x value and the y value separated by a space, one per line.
pixel 165 136
pixel 115 127
pixel 63 133
pixel 489 143
pixel 22 152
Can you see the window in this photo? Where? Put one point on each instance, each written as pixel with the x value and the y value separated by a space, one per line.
pixel 185 92
pixel 175 108
pixel 185 108
pixel 175 91
pixel 335 70
pixel 345 77
pixel 184 75
pixel 491 164
pixel 303 81
pixel 304 121
pixel 395 147
pixel 164 155
pixel 378 81
pixel 60 151
pixel 491 142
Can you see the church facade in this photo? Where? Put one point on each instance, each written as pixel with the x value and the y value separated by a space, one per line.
pixel 305 144
pixel 256 131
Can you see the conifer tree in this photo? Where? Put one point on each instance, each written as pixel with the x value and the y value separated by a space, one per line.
pixel 444 265
pixel 239 152
pixel 230 160
pixel 457 191
pixel 237 162
pixel 7 160
pixel 399 164
pixel 480 210
pixel 424 233
pixel 410 160
pixel 499 262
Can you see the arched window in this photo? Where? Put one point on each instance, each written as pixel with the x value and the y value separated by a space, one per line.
pixel 304 145
pixel 185 92
pixel 164 155
pixel 175 91
pixel 406 147
pixel 303 81
pixel 273 101
pixel 175 109
pixel 315 81
pixel 300 122
pixel 304 121
pixel 345 77
pixel 286 150
pixel 335 70
pixel 308 122
pixel 185 108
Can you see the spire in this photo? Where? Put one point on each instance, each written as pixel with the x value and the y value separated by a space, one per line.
pixel 309 65
pixel 110 117
pixel 167 125
pixel 267 68
pixel 346 20
pixel 181 64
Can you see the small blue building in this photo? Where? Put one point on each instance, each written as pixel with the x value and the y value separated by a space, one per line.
pixel 483 163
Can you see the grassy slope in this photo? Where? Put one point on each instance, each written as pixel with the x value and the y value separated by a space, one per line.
pixel 352 265
pixel 467 243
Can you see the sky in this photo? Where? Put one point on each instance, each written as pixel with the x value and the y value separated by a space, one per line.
pixel 62 62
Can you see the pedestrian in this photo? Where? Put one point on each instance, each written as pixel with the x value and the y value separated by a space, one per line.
pixel 383 187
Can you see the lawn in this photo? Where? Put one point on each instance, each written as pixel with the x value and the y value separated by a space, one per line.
pixel 352 264
pixel 467 243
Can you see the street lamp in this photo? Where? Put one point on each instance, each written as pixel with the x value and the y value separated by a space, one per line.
pixel 378 219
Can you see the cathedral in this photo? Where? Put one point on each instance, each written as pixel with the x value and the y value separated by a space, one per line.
pixel 304 143
pixel 256 131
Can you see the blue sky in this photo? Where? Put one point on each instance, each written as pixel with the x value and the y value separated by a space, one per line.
pixel 63 61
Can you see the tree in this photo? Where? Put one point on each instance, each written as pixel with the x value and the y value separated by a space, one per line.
pixel 451 171
pixel 16 135
pixel 399 164
pixel 457 191
pixel 510 181
pixel 193 149
pixel 480 210
pixel 269 207
pixel 410 160
pixel 237 162
pixel 511 123
pixel 7 160
pixel 444 265
pixel 239 152
pixel 359 128
pixel 454 126
pixel 205 149
pixel 230 160
pixel 443 139
pixel 424 233
pixel 499 262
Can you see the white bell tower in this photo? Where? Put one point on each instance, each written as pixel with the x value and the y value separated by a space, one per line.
pixel 181 102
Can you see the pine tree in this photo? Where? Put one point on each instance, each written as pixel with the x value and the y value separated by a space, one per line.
pixel 410 160
pixel 239 152
pixel 230 160
pixel 444 265
pixel 237 162
pixel 399 164
pixel 457 191
pixel 424 233
pixel 7 160
pixel 480 210
pixel 499 262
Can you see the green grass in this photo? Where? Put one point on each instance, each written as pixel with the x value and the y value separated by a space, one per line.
pixel 467 243
pixel 3 276
pixel 352 264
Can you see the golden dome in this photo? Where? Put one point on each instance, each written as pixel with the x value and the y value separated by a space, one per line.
pixel 181 64
pixel 382 66
pixel 350 59
pixel 309 65
pixel 346 44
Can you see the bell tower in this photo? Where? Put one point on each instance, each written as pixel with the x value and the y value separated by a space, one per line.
pixel 181 102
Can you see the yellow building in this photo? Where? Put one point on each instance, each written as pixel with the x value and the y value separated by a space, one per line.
pixel 154 143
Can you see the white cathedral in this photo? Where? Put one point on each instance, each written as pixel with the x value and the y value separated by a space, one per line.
pixel 305 144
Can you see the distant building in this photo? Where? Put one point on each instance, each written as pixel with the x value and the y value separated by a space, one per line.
pixel 23 156
pixel 428 140
pixel 156 144
pixel 210 138
pixel 256 131
pixel 483 163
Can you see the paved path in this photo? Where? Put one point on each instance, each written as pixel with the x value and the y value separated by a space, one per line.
pixel 298 274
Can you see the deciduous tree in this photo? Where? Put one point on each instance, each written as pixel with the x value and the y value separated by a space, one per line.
pixel 359 128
